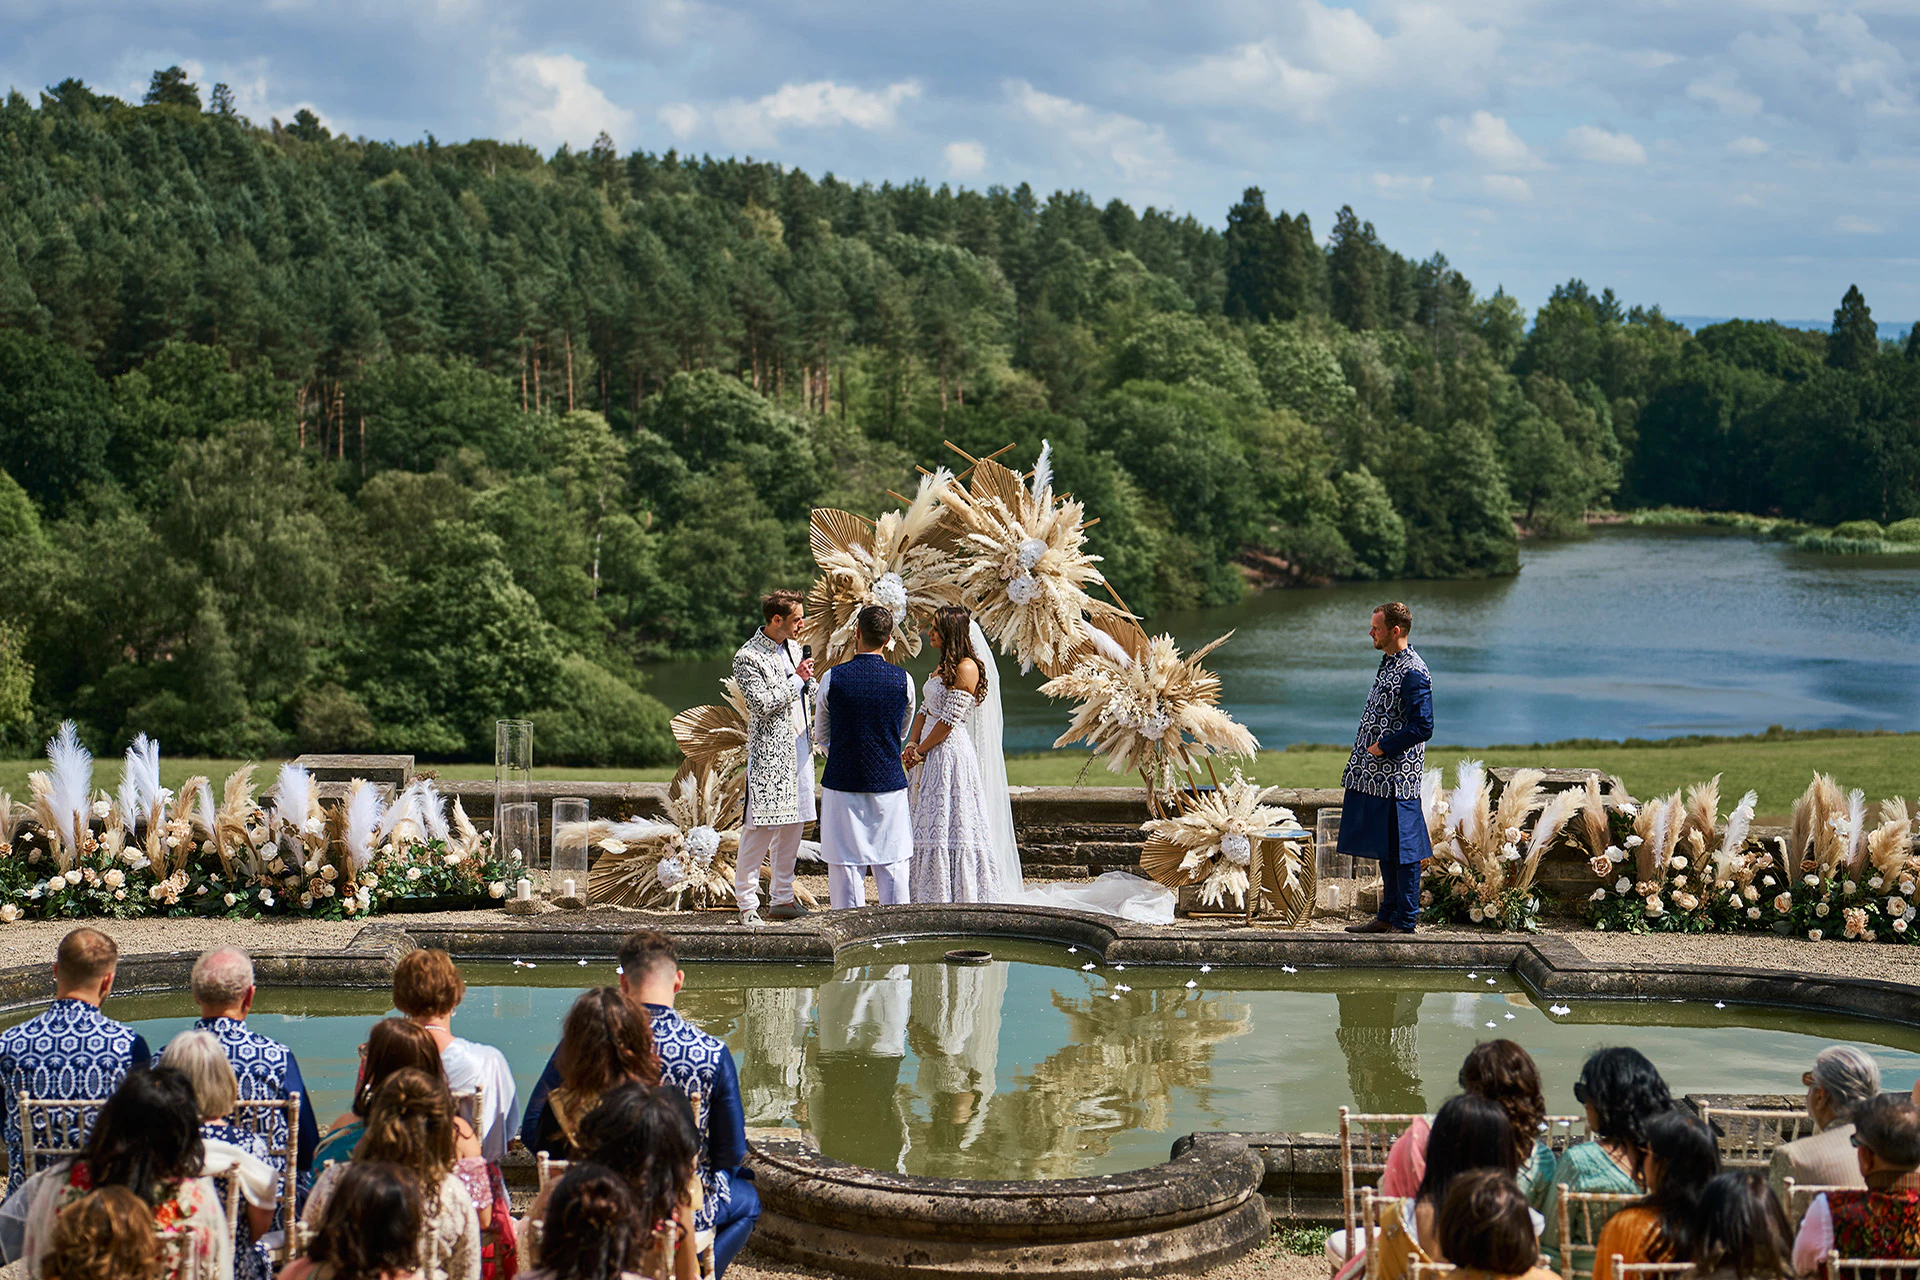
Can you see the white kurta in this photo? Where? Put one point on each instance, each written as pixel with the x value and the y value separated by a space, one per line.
pixel 862 828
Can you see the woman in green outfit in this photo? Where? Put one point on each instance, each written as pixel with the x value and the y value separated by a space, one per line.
pixel 1621 1090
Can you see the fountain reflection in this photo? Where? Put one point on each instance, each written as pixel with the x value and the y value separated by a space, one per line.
pixel 1379 1037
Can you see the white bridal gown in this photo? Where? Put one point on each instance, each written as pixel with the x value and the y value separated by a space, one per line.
pixel 952 849
pixel 1117 893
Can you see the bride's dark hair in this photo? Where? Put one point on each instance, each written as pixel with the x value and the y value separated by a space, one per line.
pixel 953 626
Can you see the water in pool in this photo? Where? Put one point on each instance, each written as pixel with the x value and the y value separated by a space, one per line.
pixel 1035 1067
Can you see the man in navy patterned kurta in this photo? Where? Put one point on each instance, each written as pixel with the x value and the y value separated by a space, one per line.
pixel 72 1050
pixel 1380 817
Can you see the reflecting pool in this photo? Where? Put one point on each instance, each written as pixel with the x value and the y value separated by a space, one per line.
pixel 1037 1067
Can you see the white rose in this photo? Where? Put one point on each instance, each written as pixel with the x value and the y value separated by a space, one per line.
pixel 1599 895
pixel 229 899
pixel 1812 882
pixel 1750 893
pixel 201 892
pixel 1512 834
pixel 413 873
pixel 1023 589
pixel 1510 852
pixel 1623 885
pixel 1849 888
pixel 1615 853
pixel 1679 863
pixel 1476 915
pixel 498 889
pixel 1899 926
pixel 329 872
pixel 101 809
pixel 454 859
pixel 1753 913
pixel 1906 888
pixel 306 901
pixel 1031 549
pixel 115 878
pixel 1767 882
pixel 1820 910
pixel 316 826
pixel 9 913
pixel 701 845
pixel 1655 906
pixel 1634 842
pixel 1876 884
pixel 1813 935
pixel 1679 882
pixel 266 899
pixel 119 895
pixel 1896 906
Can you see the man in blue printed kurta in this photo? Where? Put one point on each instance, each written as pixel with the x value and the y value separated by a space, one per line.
pixel 72 1051
pixel 1380 817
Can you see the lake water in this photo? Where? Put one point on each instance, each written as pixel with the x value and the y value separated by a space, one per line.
pixel 1033 1067
pixel 1628 633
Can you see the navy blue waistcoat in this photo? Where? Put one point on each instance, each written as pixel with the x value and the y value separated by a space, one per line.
pixel 867 700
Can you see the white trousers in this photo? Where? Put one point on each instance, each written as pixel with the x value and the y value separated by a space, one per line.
pixel 848 883
pixel 784 840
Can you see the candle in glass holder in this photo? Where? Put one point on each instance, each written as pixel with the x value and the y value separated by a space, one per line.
pixel 524 890
pixel 566 889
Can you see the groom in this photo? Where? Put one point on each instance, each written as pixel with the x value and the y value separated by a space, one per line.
pixel 773 672
pixel 861 714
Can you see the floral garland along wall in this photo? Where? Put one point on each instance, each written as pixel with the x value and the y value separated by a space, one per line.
pixel 1673 864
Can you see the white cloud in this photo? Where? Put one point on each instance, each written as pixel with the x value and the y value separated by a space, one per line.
pixel 1747 146
pixel 547 99
pixel 818 104
pixel 1722 90
pixel 1495 144
pixel 1505 186
pixel 681 117
pixel 1136 149
pixel 965 159
pixel 1855 226
pixel 1397 184
pixel 1598 146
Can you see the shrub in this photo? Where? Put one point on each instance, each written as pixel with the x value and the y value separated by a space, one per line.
pixel 1862 529
pixel 1905 532
pixel 598 719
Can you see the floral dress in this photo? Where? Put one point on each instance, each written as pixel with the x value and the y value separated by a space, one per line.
pixel 952 852
pixel 192 1207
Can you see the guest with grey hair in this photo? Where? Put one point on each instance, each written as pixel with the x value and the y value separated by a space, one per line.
pixel 1843 1080
pixel 231 1151
pixel 263 1069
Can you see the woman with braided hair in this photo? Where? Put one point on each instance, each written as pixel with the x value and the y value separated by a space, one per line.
pixel 595 1229
pixel 104 1235
pixel 953 856
pixel 371 1230
pixel 411 1123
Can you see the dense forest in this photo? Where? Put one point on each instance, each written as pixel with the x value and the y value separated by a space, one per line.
pixel 311 441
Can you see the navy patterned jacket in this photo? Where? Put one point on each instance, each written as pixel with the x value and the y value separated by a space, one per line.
pixel 1399 716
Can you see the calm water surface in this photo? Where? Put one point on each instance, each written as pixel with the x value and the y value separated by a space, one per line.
pixel 1033 1068
pixel 1629 633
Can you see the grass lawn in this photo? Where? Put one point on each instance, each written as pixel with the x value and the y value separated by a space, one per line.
pixel 1883 766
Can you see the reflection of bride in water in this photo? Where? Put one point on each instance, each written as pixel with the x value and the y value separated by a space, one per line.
pixel 1117 893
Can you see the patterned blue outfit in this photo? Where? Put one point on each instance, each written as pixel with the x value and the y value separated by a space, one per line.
pixel 693 1062
pixel 267 1072
pixel 1380 816
pixel 70 1051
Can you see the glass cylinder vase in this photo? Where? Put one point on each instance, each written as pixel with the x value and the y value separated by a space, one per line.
pixel 512 768
pixel 568 878
pixel 1333 870
pixel 518 840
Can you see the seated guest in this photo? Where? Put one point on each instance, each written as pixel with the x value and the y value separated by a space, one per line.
pixel 604 1042
pixel 1679 1159
pixel 696 1063
pixel 393 1044
pixel 646 1135
pixel 265 1069
pixel 372 1227
pixel 1621 1091
pixel 1470 1132
pixel 427 988
pixel 1842 1078
pixel 1883 1219
pixel 1743 1233
pixel 146 1139
pixel 1486 1229
pixel 229 1151
pixel 72 1050
pixel 594 1230
pixel 410 1122
pixel 1504 1072
pixel 104 1235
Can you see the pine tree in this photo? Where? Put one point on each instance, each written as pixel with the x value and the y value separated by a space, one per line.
pixel 171 88
pixel 1855 340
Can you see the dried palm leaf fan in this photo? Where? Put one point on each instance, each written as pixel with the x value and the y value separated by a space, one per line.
pixel 899 562
pixel 1021 565
pixel 1211 843
pixel 685 860
pixel 1150 711
pixel 713 739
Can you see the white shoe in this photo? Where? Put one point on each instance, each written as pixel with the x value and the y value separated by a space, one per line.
pixel 751 919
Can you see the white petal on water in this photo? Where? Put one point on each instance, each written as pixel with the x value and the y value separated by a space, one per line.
pixel 1490 1025
pixel 1719 1004
pixel 1191 984
pixel 1559 1009
pixel 1473 975
pixel 1206 968
pixel 1073 950
pixel 1113 997
pixel 1287 968
pixel 1086 968
pixel 532 965
pixel 1490 982
pixel 582 963
pixel 1509 1017
pixel 1119 966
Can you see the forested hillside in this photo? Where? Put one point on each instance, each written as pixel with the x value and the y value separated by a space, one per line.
pixel 316 441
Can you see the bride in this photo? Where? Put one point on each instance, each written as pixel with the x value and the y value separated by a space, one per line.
pixel 982 813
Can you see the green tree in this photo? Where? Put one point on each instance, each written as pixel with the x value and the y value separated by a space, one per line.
pixel 1855 339
pixel 55 418
pixel 171 88
pixel 1370 525
pixel 597 719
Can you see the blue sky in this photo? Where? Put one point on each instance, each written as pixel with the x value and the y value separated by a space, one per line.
pixel 1720 157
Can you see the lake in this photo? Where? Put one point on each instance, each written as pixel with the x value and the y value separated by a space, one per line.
pixel 1629 633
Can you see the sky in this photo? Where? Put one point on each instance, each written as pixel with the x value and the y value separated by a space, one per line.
pixel 1717 157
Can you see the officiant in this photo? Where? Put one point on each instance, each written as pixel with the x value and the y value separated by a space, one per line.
pixel 1380 816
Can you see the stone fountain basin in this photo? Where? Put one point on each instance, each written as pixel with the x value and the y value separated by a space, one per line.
pixel 1193 1212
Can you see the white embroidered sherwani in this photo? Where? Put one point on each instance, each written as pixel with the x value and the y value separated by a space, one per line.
pixel 779 768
